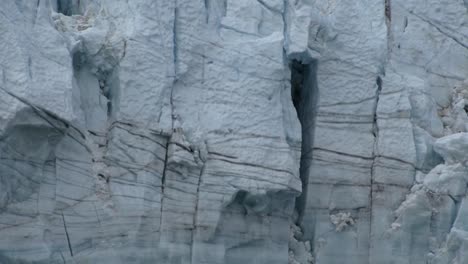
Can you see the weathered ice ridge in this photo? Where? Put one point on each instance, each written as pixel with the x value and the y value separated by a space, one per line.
pixel 234 131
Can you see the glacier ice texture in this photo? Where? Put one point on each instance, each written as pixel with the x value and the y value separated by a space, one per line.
pixel 234 131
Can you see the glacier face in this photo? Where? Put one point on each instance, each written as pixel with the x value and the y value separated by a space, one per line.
pixel 233 131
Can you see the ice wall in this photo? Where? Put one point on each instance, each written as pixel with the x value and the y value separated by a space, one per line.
pixel 233 131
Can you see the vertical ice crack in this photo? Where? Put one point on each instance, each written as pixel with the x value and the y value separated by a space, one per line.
pixel 163 183
pixel 68 236
pixel 388 22
pixel 285 25
pixel 173 116
pixel 388 10
pixel 174 39
pixel 304 94
pixel 375 128
pixel 163 178
pixel 195 215
pixel 375 133
pixel 174 61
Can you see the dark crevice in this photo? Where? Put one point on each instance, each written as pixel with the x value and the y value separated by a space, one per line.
pixel 68 7
pixel 174 39
pixel 64 7
pixel 107 86
pixel 163 177
pixel 207 10
pixel 466 108
pixel 388 10
pixel 77 60
pixel 163 181
pixel 375 132
pixel 388 23
pixel 375 128
pixel 304 93
pixel 378 81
